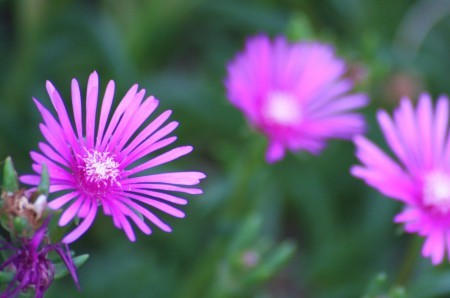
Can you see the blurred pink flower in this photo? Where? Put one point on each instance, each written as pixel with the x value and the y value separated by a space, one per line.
pixel 295 94
pixel 110 167
pixel 420 177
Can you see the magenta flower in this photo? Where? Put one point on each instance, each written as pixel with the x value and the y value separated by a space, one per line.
pixel 31 266
pixel 420 175
pixel 294 94
pixel 110 163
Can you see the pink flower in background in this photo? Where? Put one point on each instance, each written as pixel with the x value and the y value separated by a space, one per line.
pixel 295 94
pixel 110 163
pixel 420 175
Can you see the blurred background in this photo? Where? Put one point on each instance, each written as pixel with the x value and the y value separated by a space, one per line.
pixel 300 228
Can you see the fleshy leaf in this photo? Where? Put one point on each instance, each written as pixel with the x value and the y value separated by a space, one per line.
pixel 20 225
pixel 6 277
pixel 10 178
pixel 398 292
pixel 55 231
pixel 273 262
pixel 377 285
pixel 61 269
pixel 44 185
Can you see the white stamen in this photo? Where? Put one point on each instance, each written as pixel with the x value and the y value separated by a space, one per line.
pixel 436 191
pixel 100 167
pixel 281 108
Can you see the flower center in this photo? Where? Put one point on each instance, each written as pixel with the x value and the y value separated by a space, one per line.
pixel 436 191
pixel 282 108
pixel 100 167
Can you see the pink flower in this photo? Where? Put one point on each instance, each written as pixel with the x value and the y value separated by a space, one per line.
pixel 420 177
pixel 110 162
pixel 294 94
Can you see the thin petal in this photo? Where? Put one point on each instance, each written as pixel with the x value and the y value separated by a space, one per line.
pixel 163 196
pixel 148 131
pixel 147 214
pixel 60 108
pixel 62 200
pixel 127 122
pixel 147 145
pixel 163 158
pixel 116 116
pixel 180 178
pixel 168 187
pixel 434 247
pixel 91 108
pixel 159 205
pixel 145 110
pixel 275 152
pixel 76 104
pixel 70 212
pixel 104 113
pixel 136 219
pixel 83 227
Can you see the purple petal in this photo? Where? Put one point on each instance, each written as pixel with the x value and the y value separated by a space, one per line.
pixel 180 178
pixel 148 130
pixel 83 227
pixel 70 212
pixel 104 112
pixel 116 116
pixel 76 104
pixel 62 200
pixel 163 158
pixel 159 205
pixel 91 108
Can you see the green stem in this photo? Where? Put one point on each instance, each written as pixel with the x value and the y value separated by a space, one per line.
pixel 241 201
pixel 409 261
pixel 204 274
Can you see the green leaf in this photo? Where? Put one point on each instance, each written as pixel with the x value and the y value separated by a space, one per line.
pixel 61 269
pixel 398 292
pixel 377 286
pixel 20 225
pixel 299 28
pixel 10 178
pixel 55 231
pixel 6 277
pixel 44 184
pixel 247 234
pixel 273 262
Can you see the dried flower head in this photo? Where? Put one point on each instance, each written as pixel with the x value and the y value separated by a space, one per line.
pixel 29 262
pixel 28 206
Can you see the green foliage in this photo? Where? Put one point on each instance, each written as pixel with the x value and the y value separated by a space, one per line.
pixel 378 288
pixel 10 179
pixel 6 277
pixel 44 184
pixel 61 268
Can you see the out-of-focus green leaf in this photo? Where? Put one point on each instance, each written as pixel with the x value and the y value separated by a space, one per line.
pixel 44 184
pixel 398 292
pixel 6 277
pixel 61 269
pixel 299 28
pixel 10 179
pixel 20 225
pixel 272 262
